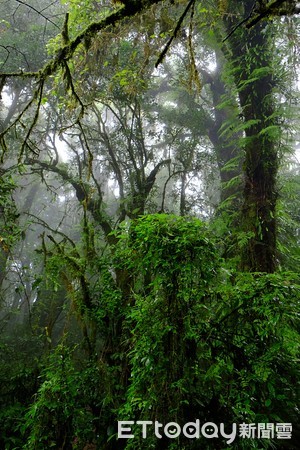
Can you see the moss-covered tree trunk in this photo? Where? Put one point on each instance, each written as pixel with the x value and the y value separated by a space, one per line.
pixel 252 60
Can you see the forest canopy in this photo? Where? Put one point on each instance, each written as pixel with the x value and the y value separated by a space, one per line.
pixel 149 223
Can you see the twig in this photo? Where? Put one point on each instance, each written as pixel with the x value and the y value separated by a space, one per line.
pixel 41 222
pixel 240 23
pixel 35 119
pixel 177 28
pixel 70 85
pixel 37 11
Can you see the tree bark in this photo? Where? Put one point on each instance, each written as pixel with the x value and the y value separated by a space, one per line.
pixel 252 59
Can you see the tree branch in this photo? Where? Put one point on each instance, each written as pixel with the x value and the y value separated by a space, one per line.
pixel 82 194
pixel 66 52
pixel 177 28
pixel 271 9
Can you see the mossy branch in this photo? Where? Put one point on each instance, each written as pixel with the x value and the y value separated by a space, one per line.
pixel 63 55
pixel 82 194
pixel 66 52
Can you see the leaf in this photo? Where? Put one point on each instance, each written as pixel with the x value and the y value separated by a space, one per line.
pixel 273 131
pixel 268 403
pixel 235 181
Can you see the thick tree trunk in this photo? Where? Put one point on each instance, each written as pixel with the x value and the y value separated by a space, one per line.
pixel 252 59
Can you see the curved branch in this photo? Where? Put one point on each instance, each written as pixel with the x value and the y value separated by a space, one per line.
pixel 152 176
pixel 82 194
pixel 66 52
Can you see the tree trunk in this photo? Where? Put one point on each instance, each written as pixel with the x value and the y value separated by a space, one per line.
pixel 252 60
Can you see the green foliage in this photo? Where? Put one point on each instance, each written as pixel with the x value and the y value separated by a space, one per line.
pixel 19 371
pixel 261 313
pixel 198 341
pixel 20 24
pixel 106 295
pixel 288 209
pixel 9 229
pixel 225 354
pixel 59 417
pixel 11 420
pixel 165 242
pixel 156 327
pixel 83 12
pixel 173 263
